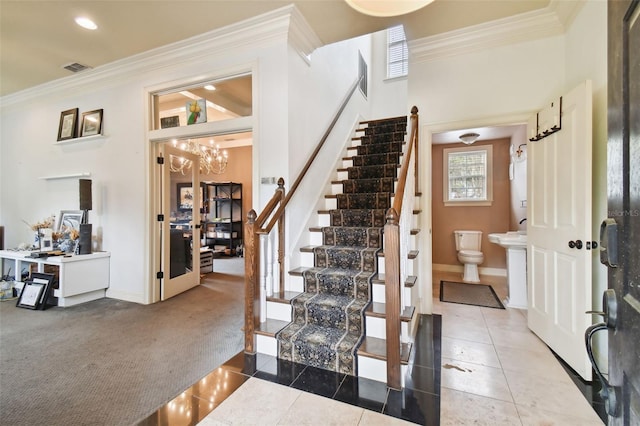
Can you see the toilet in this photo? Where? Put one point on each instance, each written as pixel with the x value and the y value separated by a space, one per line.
pixel 469 254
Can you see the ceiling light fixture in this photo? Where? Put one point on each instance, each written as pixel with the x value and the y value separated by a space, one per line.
pixel 385 8
pixel 212 160
pixel 469 138
pixel 86 23
pixel 210 87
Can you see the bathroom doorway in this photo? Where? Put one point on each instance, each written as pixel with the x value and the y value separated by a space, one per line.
pixel 507 130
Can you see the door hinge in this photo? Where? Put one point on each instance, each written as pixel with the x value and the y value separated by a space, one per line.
pixel 160 218
pixel 160 275
pixel 160 160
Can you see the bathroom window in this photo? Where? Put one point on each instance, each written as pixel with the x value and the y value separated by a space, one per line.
pixel 467 177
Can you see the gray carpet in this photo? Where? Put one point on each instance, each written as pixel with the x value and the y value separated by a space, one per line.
pixel 469 294
pixel 110 362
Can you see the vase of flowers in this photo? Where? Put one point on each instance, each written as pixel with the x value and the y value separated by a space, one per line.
pixel 37 229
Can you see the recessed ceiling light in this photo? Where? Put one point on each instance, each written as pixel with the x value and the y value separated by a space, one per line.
pixel 86 23
pixel 210 87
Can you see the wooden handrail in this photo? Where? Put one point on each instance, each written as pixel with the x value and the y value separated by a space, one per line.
pixel 404 170
pixel 313 156
pixel 393 298
pixel 254 227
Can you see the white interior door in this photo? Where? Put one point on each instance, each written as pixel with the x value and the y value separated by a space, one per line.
pixel 559 251
pixel 180 263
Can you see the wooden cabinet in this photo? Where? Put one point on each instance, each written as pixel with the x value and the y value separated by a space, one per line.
pixel 223 227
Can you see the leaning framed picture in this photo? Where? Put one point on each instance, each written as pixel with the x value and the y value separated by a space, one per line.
pixel 35 291
pixel 69 219
pixel 68 128
pixel 91 123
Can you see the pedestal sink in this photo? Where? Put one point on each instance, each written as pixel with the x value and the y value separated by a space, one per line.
pixel 515 242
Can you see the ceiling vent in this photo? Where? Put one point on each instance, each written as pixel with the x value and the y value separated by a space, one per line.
pixel 76 67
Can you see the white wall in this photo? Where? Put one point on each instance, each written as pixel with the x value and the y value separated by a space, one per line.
pixel 294 101
pixel 317 90
pixel 586 58
pixel 500 83
pixel 119 162
pixel 388 96
pixel 518 185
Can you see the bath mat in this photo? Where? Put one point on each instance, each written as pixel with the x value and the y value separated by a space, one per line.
pixel 469 294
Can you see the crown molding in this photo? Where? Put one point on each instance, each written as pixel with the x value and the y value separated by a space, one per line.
pixel 511 30
pixel 253 33
pixel 301 36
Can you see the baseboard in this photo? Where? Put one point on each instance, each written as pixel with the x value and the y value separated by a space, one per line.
pixel 498 272
pixel 127 297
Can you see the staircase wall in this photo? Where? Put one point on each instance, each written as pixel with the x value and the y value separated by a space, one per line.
pixel 316 88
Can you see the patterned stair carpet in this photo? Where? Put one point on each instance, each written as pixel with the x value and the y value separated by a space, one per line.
pixel 328 321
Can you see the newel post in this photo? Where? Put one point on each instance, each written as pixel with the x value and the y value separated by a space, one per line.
pixel 392 297
pixel 251 283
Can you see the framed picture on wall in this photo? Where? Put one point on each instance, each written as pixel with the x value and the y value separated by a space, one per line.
pixel 68 128
pixel 91 123
pixel 186 194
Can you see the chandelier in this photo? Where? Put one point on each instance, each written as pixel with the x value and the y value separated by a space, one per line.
pixel 211 158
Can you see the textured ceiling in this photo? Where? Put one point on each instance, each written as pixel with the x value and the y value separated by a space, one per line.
pixel 37 38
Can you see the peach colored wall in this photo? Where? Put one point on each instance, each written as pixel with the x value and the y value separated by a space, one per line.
pixel 489 219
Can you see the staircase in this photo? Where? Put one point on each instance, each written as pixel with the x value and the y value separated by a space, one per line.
pixel 333 316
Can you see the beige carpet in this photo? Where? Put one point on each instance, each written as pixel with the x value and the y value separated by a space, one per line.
pixel 110 362
pixel 469 294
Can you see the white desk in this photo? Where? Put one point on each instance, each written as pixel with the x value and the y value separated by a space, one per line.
pixel 82 277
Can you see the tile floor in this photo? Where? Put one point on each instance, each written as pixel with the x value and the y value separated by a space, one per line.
pixel 472 365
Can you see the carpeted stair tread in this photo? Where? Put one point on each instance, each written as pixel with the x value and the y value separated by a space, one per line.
pixel 364 200
pixel 357 217
pixel 376 159
pixel 374 171
pixel 386 184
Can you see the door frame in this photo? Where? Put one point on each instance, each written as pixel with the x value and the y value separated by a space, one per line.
pixel 427 131
pixel 154 138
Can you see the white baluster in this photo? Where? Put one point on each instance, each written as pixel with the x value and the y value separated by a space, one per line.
pixel 270 257
pixel 263 278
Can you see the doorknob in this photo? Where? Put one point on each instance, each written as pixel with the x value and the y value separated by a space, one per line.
pixel 610 307
pixel 575 244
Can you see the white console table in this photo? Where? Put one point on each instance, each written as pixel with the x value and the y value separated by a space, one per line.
pixel 82 277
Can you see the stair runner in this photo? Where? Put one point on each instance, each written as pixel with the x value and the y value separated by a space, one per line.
pixel 328 323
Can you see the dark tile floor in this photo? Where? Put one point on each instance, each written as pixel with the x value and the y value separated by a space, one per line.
pixel 590 390
pixel 417 402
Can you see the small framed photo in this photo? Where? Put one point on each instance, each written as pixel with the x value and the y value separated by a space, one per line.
pixel 186 195
pixel 69 219
pixel 36 291
pixel 91 123
pixel 68 128
pixel 196 111
pixel 173 121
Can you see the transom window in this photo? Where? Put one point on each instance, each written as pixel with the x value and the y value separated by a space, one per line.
pixel 397 52
pixel 468 177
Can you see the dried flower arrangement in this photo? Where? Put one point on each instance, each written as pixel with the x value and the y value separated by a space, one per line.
pixel 64 240
pixel 45 223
